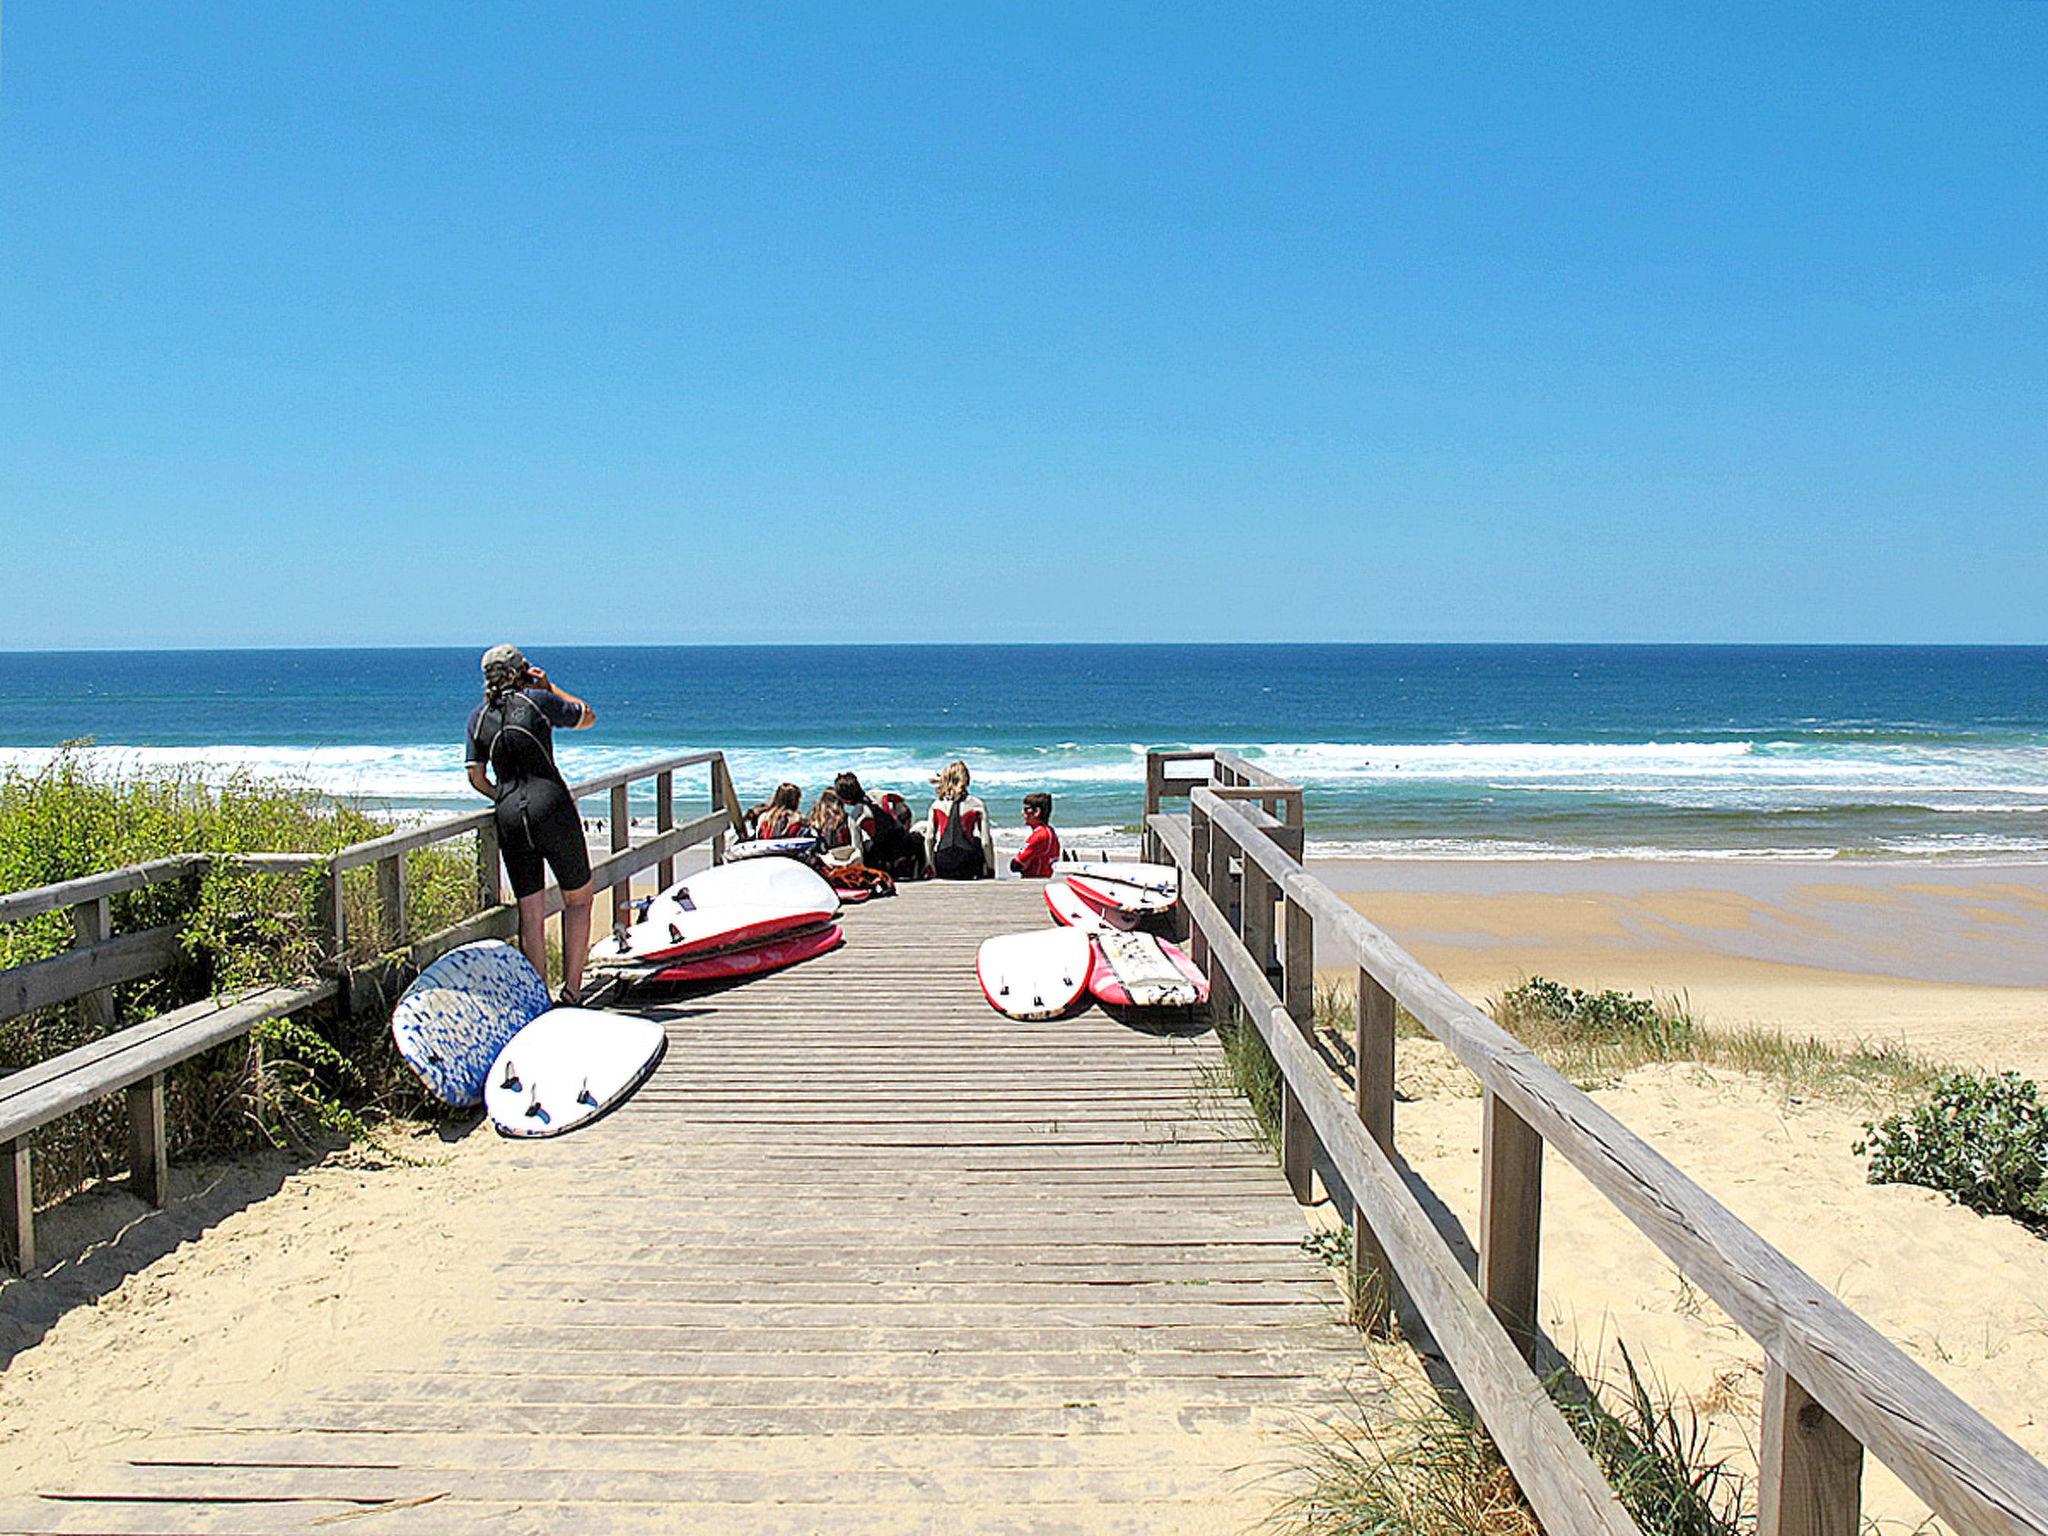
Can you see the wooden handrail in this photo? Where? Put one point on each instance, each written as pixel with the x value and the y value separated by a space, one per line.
pixel 1967 1470
pixel 16 906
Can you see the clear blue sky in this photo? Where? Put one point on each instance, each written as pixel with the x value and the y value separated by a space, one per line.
pixel 421 323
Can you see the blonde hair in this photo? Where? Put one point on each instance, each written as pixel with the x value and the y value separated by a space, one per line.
pixel 827 814
pixel 951 782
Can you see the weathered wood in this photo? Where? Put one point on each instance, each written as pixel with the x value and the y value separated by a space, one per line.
pixel 490 874
pixel 1196 867
pixel 149 1148
pixel 1297 1138
pixel 1372 1278
pixel 34 902
pixel 1809 1468
pixel 391 913
pixel 92 923
pixel 664 820
pixel 622 839
pixel 1510 1220
pixel 81 972
pixel 39 1094
pixel 1551 1467
pixel 17 1207
pixel 1965 1468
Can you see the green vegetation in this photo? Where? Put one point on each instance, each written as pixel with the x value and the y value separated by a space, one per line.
pixel 238 926
pixel 1249 1074
pixel 1428 1469
pixel 1982 1141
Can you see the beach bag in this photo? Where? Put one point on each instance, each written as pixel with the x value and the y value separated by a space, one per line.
pixel 958 856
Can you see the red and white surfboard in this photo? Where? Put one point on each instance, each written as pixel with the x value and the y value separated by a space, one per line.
pixel 1071 910
pixel 756 959
pixel 1135 970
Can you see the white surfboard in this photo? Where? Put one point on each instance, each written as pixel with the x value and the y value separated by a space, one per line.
pixel 1138 971
pixel 726 907
pixel 1035 975
pixel 771 847
pixel 568 1067
pixel 1110 895
pixel 1070 911
pixel 1163 878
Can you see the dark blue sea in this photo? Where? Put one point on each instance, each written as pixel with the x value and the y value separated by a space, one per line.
pixel 1438 751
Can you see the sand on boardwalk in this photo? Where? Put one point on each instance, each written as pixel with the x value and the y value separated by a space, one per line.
pixel 1966 1296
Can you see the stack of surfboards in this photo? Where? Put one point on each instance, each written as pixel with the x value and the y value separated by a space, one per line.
pixel 477 1029
pixel 1096 949
pixel 730 921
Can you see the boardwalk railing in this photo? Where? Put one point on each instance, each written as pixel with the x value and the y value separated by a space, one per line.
pixel 357 970
pixel 1835 1388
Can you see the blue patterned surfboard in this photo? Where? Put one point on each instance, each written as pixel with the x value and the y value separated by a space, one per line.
pixel 452 1022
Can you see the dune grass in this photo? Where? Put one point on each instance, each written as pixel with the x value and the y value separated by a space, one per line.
pixel 237 926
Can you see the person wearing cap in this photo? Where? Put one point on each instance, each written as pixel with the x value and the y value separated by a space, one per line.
pixel 512 761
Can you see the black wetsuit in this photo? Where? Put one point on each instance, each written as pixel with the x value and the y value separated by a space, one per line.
pixel 537 818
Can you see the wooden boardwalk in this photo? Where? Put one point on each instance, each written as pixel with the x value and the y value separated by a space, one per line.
pixel 862 1257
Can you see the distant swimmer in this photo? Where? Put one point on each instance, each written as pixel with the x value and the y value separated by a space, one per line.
pixel 512 735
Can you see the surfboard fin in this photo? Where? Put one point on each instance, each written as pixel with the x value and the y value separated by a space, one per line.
pixel 533 1109
pixel 511 1080
pixel 586 1096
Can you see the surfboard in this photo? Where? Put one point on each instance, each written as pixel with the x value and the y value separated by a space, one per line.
pixel 568 1067
pixel 1163 878
pixel 451 1023
pixel 770 847
pixel 730 906
pixel 772 956
pixel 1069 910
pixel 1135 970
pixel 1110 895
pixel 1035 975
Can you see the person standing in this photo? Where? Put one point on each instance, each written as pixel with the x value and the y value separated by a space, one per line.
pixel 511 756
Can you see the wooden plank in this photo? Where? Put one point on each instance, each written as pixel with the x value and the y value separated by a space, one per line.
pixel 490 875
pixel 1510 1220
pixel 1810 1469
pixel 1961 1465
pixel 17 1206
pixel 56 1087
pixel 82 972
pixel 149 1148
pixel 34 902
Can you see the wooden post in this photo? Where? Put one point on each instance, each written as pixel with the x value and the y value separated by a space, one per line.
pixel 391 917
pixel 330 929
pixel 724 797
pixel 1510 1219
pixel 1256 917
pixel 664 820
pixel 622 837
pixel 1298 990
pixel 1372 1276
pixel 490 877
pixel 1216 880
pixel 1155 783
pixel 149 1153
pixel 1810 1469
pixel 92 923
pixel 17 1208
pixel 1198 872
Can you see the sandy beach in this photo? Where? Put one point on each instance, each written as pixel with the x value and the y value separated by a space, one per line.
pixel 1843 952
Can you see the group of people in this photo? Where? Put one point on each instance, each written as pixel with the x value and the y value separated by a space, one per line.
pixel 511 758
pixel 954 841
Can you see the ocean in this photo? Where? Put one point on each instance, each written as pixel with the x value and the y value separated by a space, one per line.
pixel 1470 752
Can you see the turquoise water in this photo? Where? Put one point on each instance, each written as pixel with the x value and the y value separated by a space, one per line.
pixel 1449 751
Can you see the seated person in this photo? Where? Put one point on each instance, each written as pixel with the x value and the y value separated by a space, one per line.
pixel 957 833
pixel 884 842
pixel 783 815
pixel 828 821
pixel 1042 846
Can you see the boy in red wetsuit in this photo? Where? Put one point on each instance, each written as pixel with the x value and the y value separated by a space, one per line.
pixel 1042 847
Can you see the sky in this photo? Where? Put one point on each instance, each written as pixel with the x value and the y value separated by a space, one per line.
pixel 326 324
